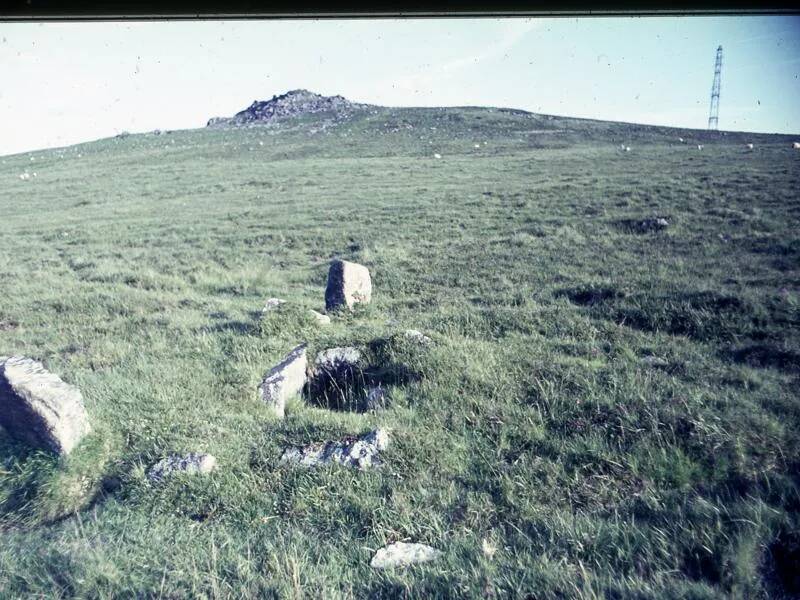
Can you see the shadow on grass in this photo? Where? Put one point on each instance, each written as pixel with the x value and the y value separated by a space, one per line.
pixel 641 226
pixel 589 296
pixel 357 389
pixel 781 565
pixel 40 488
pixel 766 356
pixel 237 327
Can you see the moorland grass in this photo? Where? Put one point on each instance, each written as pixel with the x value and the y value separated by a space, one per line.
pixel 136 268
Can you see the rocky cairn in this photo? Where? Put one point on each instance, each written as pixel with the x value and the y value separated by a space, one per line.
pixel 348 284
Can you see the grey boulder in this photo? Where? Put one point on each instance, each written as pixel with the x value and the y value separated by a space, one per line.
pixel 37 407
pixel 360 452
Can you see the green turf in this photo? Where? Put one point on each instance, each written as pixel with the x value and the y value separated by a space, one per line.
pixel 136 269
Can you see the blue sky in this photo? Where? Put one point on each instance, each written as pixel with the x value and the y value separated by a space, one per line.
pixel 64 83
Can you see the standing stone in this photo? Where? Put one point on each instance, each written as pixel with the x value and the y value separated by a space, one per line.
pixel 284 380
pixel 39 408
pixel 402 554
pixel 348 283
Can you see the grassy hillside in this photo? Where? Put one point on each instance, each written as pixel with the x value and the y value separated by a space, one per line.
pixel 614 411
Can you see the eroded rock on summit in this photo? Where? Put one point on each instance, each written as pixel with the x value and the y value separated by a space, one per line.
pixel 291 104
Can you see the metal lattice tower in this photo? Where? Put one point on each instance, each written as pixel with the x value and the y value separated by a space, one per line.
pixel 713 112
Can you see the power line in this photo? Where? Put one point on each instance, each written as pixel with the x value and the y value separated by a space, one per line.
pixel 713 112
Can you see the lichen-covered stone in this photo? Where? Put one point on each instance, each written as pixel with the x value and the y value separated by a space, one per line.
pixel 37 407
pixel 361 452
pixel 284 380
pixel 348 284
pixel 336 360
pixel 193 464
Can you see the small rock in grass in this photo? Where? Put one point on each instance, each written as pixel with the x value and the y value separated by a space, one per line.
pixel 360 452
pixel 348 284
pixel 417 336
pixel 284 380
pixel 654 361
pixel 321 319
pixel 37 407
pixel 402 554
pixel 653 224
pixel 272 304
pixel 193 464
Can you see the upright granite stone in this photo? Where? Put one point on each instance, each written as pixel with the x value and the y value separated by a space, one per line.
pixel 39 408
pixel 284 380
pixel 348 284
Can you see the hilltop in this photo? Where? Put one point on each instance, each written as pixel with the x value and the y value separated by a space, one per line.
pixel 330 111
pixel 606 405
pixel 291 104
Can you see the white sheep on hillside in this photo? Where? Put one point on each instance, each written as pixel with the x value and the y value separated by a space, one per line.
pixel 750 146
pixel 796 145
pixel 699 146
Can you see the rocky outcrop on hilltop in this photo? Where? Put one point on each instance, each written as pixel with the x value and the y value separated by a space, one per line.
pixel 291 104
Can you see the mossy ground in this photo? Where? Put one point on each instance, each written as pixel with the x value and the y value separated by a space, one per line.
pixel 136 268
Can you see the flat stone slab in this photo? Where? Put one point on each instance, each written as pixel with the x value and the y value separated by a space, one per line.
pixel 360 452
pixel 402 554
pixel 284 380
pixel 193 464
pixel 348 284
pixel 37 407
